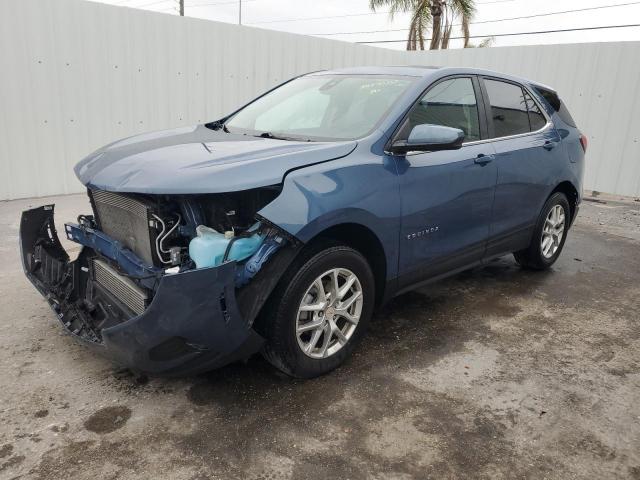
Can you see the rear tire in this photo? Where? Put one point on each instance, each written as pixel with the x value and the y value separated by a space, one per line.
pixel 319 311
pixel 549 234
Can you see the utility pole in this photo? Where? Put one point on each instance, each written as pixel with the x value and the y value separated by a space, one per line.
pixel 239 12
pixel 181 2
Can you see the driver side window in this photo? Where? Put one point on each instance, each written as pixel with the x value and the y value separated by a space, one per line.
pixel 451 103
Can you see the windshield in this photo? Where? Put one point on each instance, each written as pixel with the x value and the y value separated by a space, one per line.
pixel 322 107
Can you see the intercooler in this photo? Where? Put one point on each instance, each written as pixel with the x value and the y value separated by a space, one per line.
pixel 120 287
pixel 127 220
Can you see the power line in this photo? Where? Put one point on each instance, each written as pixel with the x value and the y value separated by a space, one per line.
pixel 321 18
pixel 521 33
pixel 495 1
pixel 143 5
pixel 474 23
pixel 235 2
pixel 586 9
pixel 152 4
pixel 494 21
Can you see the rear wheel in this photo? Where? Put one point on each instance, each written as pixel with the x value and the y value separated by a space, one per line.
pixel 549 235
pixel 319 311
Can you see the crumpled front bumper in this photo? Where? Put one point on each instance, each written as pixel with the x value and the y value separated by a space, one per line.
pixel 191 325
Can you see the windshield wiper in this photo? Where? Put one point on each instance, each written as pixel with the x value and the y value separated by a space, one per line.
pixel 271 135
pixel 281 137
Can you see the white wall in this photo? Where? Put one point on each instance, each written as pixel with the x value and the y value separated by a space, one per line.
pixel 77 75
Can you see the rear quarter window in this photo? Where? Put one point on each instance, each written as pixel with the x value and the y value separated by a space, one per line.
pixel 558 105
pixel 536 117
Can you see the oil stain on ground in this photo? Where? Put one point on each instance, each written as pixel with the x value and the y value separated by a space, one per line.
pixel 108 419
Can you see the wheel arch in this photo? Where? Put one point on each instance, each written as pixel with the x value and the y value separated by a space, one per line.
pixel 364 240
pixel 571 193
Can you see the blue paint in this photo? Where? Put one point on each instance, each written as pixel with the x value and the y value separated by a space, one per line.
pixel 325 184
pixel 199 160
pixel 432 213
pixel 253 265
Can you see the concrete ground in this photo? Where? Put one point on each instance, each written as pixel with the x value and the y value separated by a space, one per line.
pixel 495 373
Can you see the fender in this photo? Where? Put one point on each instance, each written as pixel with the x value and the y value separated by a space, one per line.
pixel 352 190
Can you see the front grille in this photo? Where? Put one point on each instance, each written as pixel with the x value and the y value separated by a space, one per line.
pixel 125 219
pixel 122 288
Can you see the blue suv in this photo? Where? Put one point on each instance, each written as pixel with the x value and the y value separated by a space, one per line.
pixel 282 226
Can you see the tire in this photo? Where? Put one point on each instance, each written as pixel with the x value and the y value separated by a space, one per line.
pixel 539 256
pixel 298 288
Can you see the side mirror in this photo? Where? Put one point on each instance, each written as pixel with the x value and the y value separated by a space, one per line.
pixel 425 138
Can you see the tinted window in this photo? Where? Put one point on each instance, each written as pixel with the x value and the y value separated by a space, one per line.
pixel 536 118
pixel 451 103
pixel 558 105
pixel 508 108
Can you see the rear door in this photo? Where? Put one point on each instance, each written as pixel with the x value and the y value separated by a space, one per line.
pixel 446 195
pixel 529 158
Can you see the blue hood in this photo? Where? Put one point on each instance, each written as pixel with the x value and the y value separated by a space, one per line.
pixel 199 160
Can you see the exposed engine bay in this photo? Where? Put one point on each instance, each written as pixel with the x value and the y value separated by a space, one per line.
pixel 133 241
pixel 159 228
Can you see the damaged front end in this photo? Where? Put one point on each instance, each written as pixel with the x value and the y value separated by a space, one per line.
pixel 135 294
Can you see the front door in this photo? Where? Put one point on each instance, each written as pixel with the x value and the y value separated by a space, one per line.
pixel 447 196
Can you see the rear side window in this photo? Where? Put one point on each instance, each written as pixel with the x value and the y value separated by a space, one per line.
pixel 536 117
pixel 451 103
pixel 508 108
pixel 558 105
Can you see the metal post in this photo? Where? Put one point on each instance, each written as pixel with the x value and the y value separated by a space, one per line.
pixel 239 12
pixel 182 8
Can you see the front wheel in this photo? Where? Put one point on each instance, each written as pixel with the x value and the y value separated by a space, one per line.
pixel 549 235
pixel 319 311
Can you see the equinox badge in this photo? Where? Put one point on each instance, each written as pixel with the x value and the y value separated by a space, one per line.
pixel 422 233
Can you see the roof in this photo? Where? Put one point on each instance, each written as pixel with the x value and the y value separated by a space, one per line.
pixel 412 71
pixel 425 71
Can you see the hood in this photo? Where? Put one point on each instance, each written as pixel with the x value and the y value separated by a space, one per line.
pixel 199 160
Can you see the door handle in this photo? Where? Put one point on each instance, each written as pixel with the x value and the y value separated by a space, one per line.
pixel 483 159
pixel 549 145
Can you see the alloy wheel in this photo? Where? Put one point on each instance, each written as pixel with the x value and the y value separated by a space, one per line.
pixel 329 313
pixel 553 231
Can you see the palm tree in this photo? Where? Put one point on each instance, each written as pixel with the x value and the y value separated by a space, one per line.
pixel 419 24
pixel 441 14
pixel 420 18
pixel 447 12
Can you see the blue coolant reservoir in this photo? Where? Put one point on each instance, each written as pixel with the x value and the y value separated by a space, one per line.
pixel 208 246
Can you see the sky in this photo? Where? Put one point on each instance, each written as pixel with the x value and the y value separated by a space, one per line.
pixel 341 19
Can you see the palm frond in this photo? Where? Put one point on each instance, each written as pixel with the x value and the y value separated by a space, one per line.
pixel 397 6
pixel 487 42
pixel 463 7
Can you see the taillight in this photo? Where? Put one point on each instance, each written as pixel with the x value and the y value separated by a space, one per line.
pixel 584 142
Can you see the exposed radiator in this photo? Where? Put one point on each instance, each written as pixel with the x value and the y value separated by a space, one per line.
pixel 126 220
pixel 122 288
